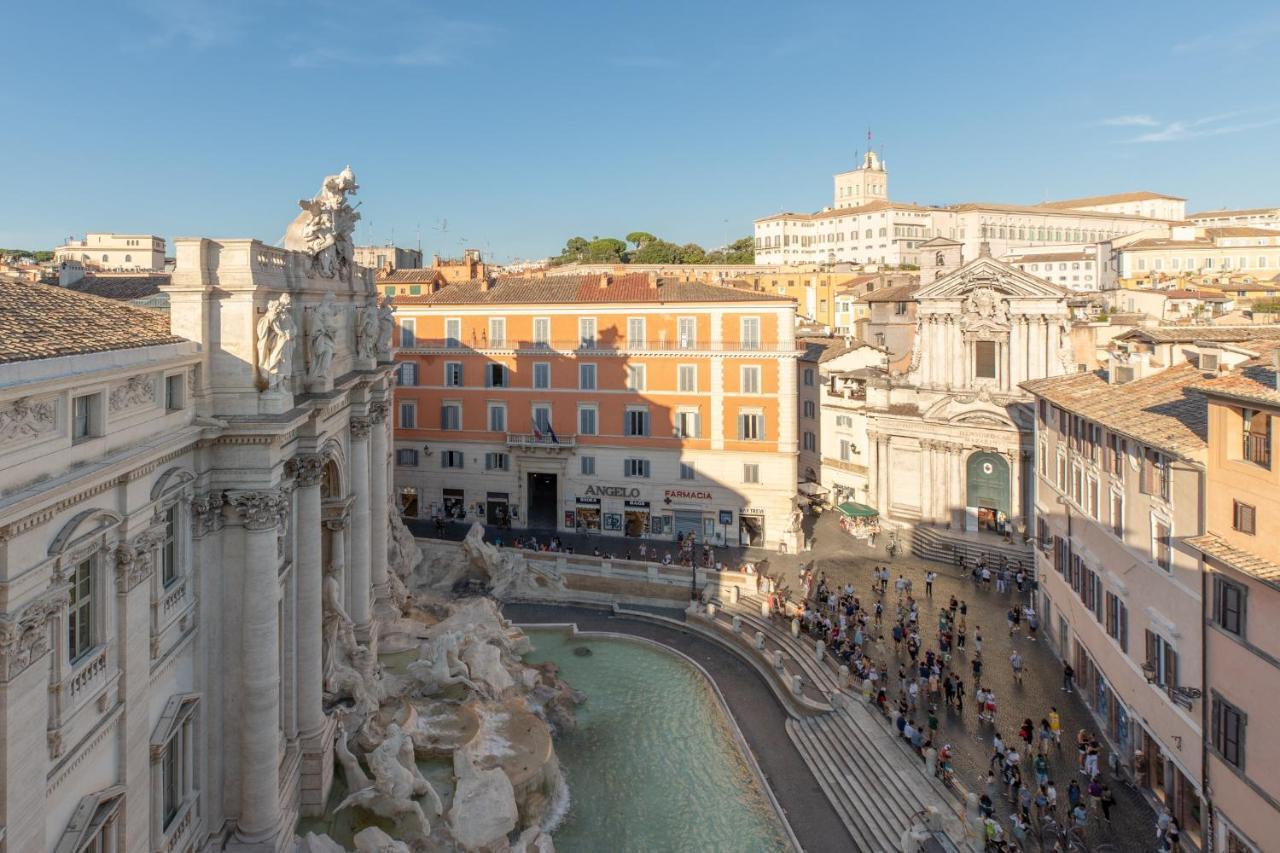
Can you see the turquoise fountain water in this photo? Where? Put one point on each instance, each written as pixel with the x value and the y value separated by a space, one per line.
pixel 653 764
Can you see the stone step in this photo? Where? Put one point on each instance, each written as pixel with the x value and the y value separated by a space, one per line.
pixel 791 664
pixel 822 676
pixel 900 798
pixel 932 544
pixel 843 789
pixel 869 721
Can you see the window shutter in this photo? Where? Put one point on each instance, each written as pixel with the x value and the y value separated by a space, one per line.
pixel 742 429
pixel 1152 651
pixel 1170 667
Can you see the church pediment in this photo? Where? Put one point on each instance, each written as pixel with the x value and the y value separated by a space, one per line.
pixel 982 407
pixel 996 277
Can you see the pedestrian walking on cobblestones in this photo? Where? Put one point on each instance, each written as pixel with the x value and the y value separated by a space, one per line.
pixel 1055 726
pixel 1015 661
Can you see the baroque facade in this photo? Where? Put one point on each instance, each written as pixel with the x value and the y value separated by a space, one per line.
pixel 171 500
pixel 950 436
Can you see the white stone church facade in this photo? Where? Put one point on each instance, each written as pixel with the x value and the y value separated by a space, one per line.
pixel 950 441
pixel 168 509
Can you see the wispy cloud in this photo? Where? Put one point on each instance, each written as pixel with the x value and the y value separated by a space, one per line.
pixel 1239 38
pixel 1129 121
pixel 197 24
pixel 430 42
pixel 1222 124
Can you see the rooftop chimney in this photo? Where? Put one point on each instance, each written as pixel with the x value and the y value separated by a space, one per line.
pixel 487 281
pixel 984 249
pixel 653 280
pixel 604 280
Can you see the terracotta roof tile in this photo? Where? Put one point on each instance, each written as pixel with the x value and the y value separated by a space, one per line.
pixel 41 321
pixel 1114 198
pixel 1253 381
pixel 1239 559
pixel 1212 334
pixel 121 287
pixel 1160 410
pixel 584 289
pixel 901 293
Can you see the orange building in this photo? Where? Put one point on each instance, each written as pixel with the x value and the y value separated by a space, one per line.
pixel 1242 599
pixel 625 405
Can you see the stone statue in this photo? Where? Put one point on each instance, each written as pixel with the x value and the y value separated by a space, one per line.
pixel 324 228
pixel 385 322
pixel 336 621
pixel 276 333
pixel 322 337
pixel 367 330
pixel 438 666
pixel 395 785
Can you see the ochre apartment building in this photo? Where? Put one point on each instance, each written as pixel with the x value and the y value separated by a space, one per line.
pixel 628 406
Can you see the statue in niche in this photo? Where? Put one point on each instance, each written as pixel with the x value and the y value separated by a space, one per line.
pixel 386 320
pixel 325 227
pixel 322 337
pixel 275 341
pixel 367 330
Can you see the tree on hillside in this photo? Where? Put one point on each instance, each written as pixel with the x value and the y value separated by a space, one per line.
pixel 656 252
pixel 738 252
pixel 640 238
pixel 692 253
pixel 606 250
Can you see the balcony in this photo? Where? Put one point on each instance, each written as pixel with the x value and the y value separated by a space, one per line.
pixel 433 345
pixel 1257 448
pixel 532 442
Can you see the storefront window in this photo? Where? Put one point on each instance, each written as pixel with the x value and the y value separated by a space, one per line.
pixel 454 504
pixel 409 502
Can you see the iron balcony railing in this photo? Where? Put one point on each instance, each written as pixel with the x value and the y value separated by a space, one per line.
pixel 533 441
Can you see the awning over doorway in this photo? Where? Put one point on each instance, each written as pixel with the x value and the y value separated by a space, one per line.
pixel 857 510
pixel 812 490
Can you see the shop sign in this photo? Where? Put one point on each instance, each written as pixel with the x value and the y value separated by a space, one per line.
pixel 687 495
pixel 750 511
pixel 637 504
pixel 726 516
pixel 612 491
pixel 588 501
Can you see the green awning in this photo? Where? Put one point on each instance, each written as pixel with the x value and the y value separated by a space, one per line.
pixel 856 510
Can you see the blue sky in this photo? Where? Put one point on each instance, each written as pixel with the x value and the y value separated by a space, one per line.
pixel 523 124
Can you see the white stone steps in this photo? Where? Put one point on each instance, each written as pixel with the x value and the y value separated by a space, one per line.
pixel 841 787
pixel 821 675
pixel 890 771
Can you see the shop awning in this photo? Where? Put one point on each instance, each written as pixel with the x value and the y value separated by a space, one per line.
pixel 811 489
pixel 856 510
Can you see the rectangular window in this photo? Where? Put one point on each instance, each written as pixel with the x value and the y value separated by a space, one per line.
pixel 587 332
pixel 169 552
pixel 408 333
pixel 174 392
pixel 451 459
pixel 1257 438
pixel 1118 621
pixel 1243 517
pixel 170 782
pixel 636 333
pixel 687 332
pixel 810 441
pixel 496 376
pixel 84 416
pixel 844 450
pixel 450 416
pixel 496 462
pixel 636 422
pixel 497 331
pixel 750 379
pixel 1117 515
pixel 688 424
pixel 542 331
pixel 810 409
pixel 407 458
pixel 587 465
pixel 542 374
pixel 635 467
pixel 453 374
pixel 407 373
pixel 541 418
pixel 1094 508
pixel 409 415
pixel 688 378
pixel 587 420
pixel 587 377
pixel 1162 658
pixel 635 377
pixel 750 333
pixel 1155 474
pixel 1161 545
pixel 1228 606
pixel 751 426
pixel 750 472
pixel 808 377
pixel 80 615
pixel 1228 731
pixel 687 472
pixel 497 417
pixel 984 359
pixel 453 332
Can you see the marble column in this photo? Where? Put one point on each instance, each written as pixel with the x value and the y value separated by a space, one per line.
pixel 308 470
pixel 883 475
pixel 957 355
pixel 1035 347
pixel 1051 350
pixel 926 481
pixel 1017 352
pixel 957 488
pixel 361 552
pixel 259 701
pixel 378 500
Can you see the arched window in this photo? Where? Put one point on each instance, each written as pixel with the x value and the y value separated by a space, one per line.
pixel 104 259
pixel 938 260
pixel 128 259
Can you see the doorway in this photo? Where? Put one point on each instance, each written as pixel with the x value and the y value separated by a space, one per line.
pixel 543 500
pixel 751 530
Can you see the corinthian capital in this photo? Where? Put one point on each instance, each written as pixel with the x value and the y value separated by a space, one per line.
pixel 258 510
pixel 307 469
pixel 378 411
pixel 360 427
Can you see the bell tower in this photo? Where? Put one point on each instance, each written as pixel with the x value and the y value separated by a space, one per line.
pixel 867 183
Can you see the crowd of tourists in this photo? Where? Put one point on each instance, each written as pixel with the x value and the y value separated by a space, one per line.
pixel 912 673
